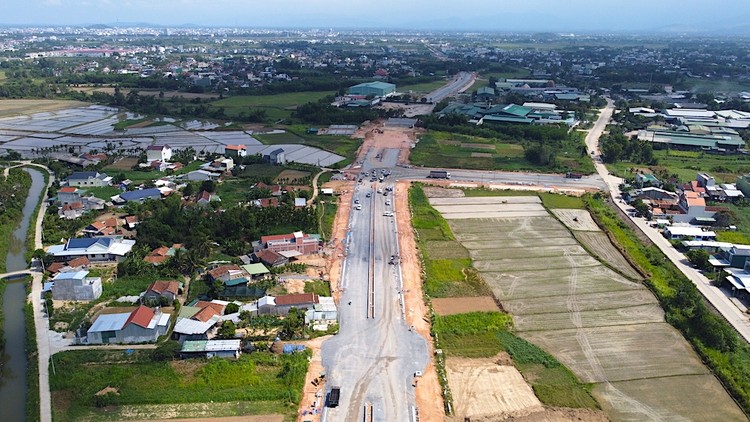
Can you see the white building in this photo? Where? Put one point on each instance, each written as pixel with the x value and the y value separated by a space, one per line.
pixel 158 153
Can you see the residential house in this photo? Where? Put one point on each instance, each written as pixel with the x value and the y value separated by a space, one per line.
pixel 205 198
pixel 195 322
pixel 71 211
pixel 211 349
pixel 137 196
pixel 647 179
pixel 322 314
pixel 226 273
pixel 106 227
pixel 270 258
pixel 161 254
pixel 280 305
pixel 131 221
pixel 79 262
pixel 69 195
pixel 76 286
pixel 161 290
pixel 96 249
pixel 220 165
pixel 297 241
pixel 693 208
pixel 735 256
pixel 235 151
pixel 265 202
pixel 158 153
pixel 142 325
pixel 277 156
pixel 257 271
pixel 92 179
pixel 202 175
pixel 688 233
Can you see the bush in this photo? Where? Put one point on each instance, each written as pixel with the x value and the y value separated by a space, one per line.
pixel 168 350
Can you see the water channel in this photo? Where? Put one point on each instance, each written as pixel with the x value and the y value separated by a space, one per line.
pixel 13 382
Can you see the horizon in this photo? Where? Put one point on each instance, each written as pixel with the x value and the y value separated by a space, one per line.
pixel 577 16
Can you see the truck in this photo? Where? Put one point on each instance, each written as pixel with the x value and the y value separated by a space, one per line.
pixel 333 397
pixel 439 174
pixel 571 175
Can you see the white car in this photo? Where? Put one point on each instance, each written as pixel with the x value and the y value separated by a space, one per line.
pixel 388 214
pixel 358 207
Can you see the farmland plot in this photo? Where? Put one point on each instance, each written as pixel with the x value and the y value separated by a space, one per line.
pixel 606 328
pixel 599 245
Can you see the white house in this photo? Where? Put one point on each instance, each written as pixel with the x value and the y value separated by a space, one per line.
pixel 96 249
pixel 76 286
pixel 158 153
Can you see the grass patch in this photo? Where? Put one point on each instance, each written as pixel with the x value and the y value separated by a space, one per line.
pixel 319 287
pixel 554 200
pixel 732 237
pixel 445 275
pixel 485 334
pixel 124 124
pixel 32 365
pixel 258 377
pixel 277 106
pixel 423 88
pixel 138 176
pixel 327 209
pixel 104 192
pixel 685 165
pixel 475 192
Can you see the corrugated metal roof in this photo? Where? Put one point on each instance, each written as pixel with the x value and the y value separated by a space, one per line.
pixel 109 322
pixel 197 346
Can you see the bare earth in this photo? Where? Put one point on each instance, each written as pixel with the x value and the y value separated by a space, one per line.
pixel 25 107
pixel 460 305
pixel 313 396
pixel 576 219
pixel 482 388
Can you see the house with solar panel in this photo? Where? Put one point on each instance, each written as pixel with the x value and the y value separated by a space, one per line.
pixel 96 249
pixel 142 325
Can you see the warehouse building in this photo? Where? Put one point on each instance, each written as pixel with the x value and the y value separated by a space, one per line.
pixel 377 89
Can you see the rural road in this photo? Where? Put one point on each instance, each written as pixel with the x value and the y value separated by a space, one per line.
pixel 717 297
pixel 460 83
pixel 375 354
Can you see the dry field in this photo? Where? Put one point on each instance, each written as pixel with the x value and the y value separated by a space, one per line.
pixel 124 164
pixel 10 108
pixel 599 245
pixel 438 192
pixel 291 175
pixel 488 147
pixel 606 328
pixel 460 305
pixel 482 388
pixel 576 219
pixel 481 155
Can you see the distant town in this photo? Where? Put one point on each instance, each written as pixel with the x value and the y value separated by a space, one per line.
pixel 336 225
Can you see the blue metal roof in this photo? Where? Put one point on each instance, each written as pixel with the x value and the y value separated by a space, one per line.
pixel 109 322
pixel 82 175
pixel 141 194
pixel 85 243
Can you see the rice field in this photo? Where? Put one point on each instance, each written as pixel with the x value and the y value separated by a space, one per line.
pixel 607 329
pixel 65 126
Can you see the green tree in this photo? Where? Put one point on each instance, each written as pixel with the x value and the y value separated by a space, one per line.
pixel 227 330
pixel 699 258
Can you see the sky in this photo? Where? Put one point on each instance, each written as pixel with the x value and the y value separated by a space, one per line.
pixel 498 15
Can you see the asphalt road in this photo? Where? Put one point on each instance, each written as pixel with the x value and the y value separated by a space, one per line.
pixel 460 83
pixel 717 297
pixel 374 356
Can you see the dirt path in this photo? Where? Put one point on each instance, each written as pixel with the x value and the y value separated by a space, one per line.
pixel 428 391
pixel 313 396
pixel 261 418
pixel 335 249
pixel 377 136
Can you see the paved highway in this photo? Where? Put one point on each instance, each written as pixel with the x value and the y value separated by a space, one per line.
pixel 715 295
pixel 375 355
pixel 460 83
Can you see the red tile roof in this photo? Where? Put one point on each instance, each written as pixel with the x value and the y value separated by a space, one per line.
pixel 234 147
pixel 141 316
pixel 297 299
pixel 55 267
pixel 68 189
pixel 208 310
pixel 161 286
pixel 223 269
pixel 81 261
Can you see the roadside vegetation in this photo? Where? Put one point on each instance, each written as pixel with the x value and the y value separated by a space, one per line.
pixel 685 308
pixel 256 383
pixel 447 265
pixel 555 200
pixel 485 334
pixel 450 143
pixel 32 364
pixel 13 193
